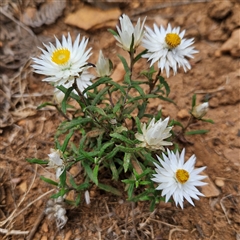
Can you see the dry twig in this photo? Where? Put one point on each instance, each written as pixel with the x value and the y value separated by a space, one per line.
pixel 13 232
pixel 174 230
pixel 223 207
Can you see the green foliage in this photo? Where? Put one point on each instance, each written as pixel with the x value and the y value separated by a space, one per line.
pixel 101 134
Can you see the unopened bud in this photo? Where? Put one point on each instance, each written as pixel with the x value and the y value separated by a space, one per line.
pixel 200 110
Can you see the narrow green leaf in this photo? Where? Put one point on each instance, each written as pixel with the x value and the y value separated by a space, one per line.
pixel 142 109
pixel 61 193
pixel 74 185
pixel 167 99
pixel 110 189
pixel 104 147
pixel 139 56
pixel 143 97
pixel 113 169
pixel 88 155
pixel 44 105
pixel 138 88
pixel 117 107
pixel 111 154
pixel 95 109
pixel 113 32
pixel 95 174
pixel 83 186
pixel 50 181
pixel 128 181
pixel 152 205
pixel 77 200
pixel 100 81
pixel 130 109
pixel 63 178
pixel 97 99
pixel 142 195
pixel 128 149
pixel 175 123
pixel 66 141
pixel 207 120
pixel 64 101
pixel 138 123
pixel 145 182
pixel 72 95
pixel 127 78
pixel 132 44
pixel 121 138
pixel 126 161
pixel 197 132
pixel 130 190
pixel 73 123
pixel 165 84
pixel 124 62
pixel 88 170
pixel 193 101
pixel 117 87
pixel 37 161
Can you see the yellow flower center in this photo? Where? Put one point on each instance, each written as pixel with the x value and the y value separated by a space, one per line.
pixel 61 56
pixel 172 40
pixel 182 176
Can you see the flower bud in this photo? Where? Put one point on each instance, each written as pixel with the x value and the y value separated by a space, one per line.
pixel 104 66
pixel 200 110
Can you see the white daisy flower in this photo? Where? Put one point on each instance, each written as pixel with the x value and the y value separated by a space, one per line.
pixel 168 48
pixel 127 30
pixel 103 66
pixel 200 110
pixel 55 161
pixel 63 62
pixel 153 136
pixel 178 179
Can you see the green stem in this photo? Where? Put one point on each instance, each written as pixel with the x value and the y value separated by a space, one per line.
pixel 86 104
pixel 59 110
pixel 153 83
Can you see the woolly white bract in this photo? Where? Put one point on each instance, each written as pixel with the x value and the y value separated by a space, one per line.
pixel 168 48
pixel 178 179
pixel 153 136
pixel 63 62
pixel 127 31
pixel 103 67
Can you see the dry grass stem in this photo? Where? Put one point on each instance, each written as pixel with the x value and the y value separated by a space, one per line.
pixel 11 217
pixel 175 230
pixel 223 207
pixel 13 232
pixel 164 223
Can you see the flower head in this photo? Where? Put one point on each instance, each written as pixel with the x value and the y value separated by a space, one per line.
pixel 103 66
pixel 63 62
pixel 55 161
pixel 128 31
pixel 200 110
pixel 178 179
pixel 168 48
pixel 153 136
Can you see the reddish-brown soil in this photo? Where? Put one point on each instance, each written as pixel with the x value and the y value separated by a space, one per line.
pixel 26 132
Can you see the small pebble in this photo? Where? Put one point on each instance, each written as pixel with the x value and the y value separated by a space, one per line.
pixel 183 113
pixel 45 227
pixel 219 182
